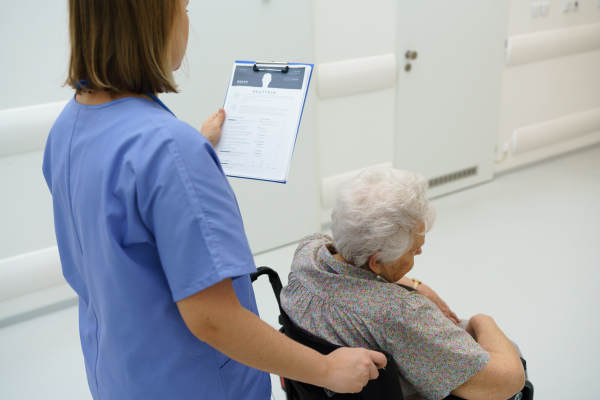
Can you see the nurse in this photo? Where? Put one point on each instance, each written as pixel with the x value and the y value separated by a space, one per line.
pixel 149 231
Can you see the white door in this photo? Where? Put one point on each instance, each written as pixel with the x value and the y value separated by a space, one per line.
pixel 450 58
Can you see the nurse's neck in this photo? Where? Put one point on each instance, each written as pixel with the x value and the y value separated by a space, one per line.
pixel 100 97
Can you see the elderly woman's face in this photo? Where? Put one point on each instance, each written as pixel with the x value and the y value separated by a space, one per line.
pixel 393 271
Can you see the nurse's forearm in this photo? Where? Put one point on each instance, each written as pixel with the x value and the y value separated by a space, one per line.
pixel 216 317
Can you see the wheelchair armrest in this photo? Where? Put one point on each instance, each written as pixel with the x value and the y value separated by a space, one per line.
pixel 525 394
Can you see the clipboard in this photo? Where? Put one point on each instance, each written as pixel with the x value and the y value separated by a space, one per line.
pixel 263 106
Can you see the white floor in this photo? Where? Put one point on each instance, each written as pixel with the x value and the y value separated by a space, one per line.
pixel 524 248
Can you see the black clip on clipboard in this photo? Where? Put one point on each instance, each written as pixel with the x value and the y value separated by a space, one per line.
pixel 271 66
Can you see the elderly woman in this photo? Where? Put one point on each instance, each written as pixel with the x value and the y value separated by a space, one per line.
pixel 352 290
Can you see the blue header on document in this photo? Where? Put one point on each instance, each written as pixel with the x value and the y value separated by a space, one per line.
pixel 246 76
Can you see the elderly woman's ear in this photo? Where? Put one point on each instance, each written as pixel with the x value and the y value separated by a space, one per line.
pixel 375 265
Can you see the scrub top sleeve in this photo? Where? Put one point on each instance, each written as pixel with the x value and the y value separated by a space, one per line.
pixel 188 204
pixel 46 170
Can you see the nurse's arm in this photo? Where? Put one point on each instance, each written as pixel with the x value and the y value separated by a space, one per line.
pixel 216 317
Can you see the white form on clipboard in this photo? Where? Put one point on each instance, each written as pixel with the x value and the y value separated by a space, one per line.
pixel 263 109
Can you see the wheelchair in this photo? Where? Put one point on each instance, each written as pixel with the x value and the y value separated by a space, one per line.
pixel 386 387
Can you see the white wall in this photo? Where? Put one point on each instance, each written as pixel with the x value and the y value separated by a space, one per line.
pixel 274 214
pixel 32 69
pixel 354 131
pixel 547 93
pixel 34 50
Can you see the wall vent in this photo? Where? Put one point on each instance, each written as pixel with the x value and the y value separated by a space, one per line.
pixel 440 180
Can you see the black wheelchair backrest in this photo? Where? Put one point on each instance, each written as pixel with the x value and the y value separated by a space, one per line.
pixel 386 386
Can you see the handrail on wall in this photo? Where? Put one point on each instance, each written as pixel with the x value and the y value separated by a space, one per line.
pixel 358 75
pixel 30 272
pixel 547 133
pixel 31 286
pixel 540 46
pixel 25 129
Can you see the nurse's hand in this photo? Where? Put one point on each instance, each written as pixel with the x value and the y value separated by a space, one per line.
pixel 351 369
pixel 211 128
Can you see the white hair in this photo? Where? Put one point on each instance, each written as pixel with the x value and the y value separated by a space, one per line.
pixel 377 212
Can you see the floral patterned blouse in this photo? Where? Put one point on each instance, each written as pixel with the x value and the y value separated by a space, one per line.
pixel 350 306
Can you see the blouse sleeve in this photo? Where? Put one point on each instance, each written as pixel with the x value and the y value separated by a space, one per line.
pixel 433 354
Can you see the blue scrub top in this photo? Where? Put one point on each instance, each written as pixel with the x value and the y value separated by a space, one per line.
pixel 144 217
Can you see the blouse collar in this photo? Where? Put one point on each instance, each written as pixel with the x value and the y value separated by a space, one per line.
pixel 332 264
pixel 341 268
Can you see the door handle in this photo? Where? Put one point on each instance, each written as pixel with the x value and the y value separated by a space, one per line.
pixel 411 55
